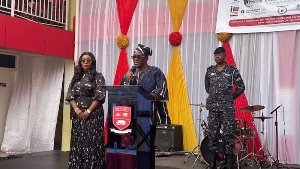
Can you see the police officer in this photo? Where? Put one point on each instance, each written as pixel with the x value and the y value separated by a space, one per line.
pixel 219 82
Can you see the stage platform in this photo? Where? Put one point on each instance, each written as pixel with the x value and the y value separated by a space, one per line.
pixel 59 160
pixel 41 160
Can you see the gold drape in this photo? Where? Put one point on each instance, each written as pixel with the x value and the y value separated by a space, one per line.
pixel 178 105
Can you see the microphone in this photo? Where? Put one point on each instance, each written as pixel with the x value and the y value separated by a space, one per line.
pixel 133 70
pixel 276 109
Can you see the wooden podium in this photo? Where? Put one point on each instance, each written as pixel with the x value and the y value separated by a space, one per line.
pixel 130 136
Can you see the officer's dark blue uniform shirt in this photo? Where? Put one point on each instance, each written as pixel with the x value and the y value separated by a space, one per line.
pixel 219 86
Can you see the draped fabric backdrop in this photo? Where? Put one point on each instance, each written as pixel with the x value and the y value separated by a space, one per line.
pixel 268 62
pixel 178 105
pixel 32 113
pixel 126 9
pixel 151 25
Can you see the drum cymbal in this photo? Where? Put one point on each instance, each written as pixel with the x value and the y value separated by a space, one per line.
pixel 200 105
pixel 252 108
pixel 262 117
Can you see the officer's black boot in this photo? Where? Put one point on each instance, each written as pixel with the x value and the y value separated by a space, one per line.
pixel 212 161
pixel 229 161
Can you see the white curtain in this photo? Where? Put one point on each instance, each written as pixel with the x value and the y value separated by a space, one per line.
pixel 257 56
pixel 269 64
pixel 32 114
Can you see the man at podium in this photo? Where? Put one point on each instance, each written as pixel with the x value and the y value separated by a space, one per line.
pixel 152 79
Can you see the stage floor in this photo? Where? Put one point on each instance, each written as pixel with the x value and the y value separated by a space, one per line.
pixel 58 160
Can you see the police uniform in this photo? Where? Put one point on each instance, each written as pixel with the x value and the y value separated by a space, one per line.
pixel 220 103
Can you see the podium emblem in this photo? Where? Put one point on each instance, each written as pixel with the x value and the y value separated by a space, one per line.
pixel 121 117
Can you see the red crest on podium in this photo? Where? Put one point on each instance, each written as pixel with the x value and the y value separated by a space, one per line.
pixel 121 117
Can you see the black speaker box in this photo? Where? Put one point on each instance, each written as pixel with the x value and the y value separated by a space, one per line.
pixel 168 138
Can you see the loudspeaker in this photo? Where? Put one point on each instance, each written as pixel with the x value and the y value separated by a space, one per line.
pixel 168 138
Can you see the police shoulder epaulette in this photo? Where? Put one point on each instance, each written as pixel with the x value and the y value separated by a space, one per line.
pixel 232 68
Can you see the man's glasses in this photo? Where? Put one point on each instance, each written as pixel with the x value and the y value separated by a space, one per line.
pixel 86 61
pixel 137 56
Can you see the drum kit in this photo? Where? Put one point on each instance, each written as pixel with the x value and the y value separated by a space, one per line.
pixel 244 133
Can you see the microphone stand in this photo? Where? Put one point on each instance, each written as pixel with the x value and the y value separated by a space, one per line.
pixel 277 163
pixel 276 128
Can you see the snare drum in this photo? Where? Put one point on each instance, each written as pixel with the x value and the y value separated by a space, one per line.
pixel 247 132
pixel 244 132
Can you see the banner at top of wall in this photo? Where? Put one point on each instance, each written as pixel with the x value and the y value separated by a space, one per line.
pixel 247 16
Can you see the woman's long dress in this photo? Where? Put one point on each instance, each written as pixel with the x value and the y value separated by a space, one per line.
pixel 87 136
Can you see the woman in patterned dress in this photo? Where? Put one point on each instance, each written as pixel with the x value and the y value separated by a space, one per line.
pixel 86 95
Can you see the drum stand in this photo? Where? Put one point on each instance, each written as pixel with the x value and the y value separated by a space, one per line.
pixel 194 152
pixel 269 158
pixel 253 155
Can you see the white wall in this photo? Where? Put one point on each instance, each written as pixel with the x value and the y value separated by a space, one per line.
pixel 7 76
